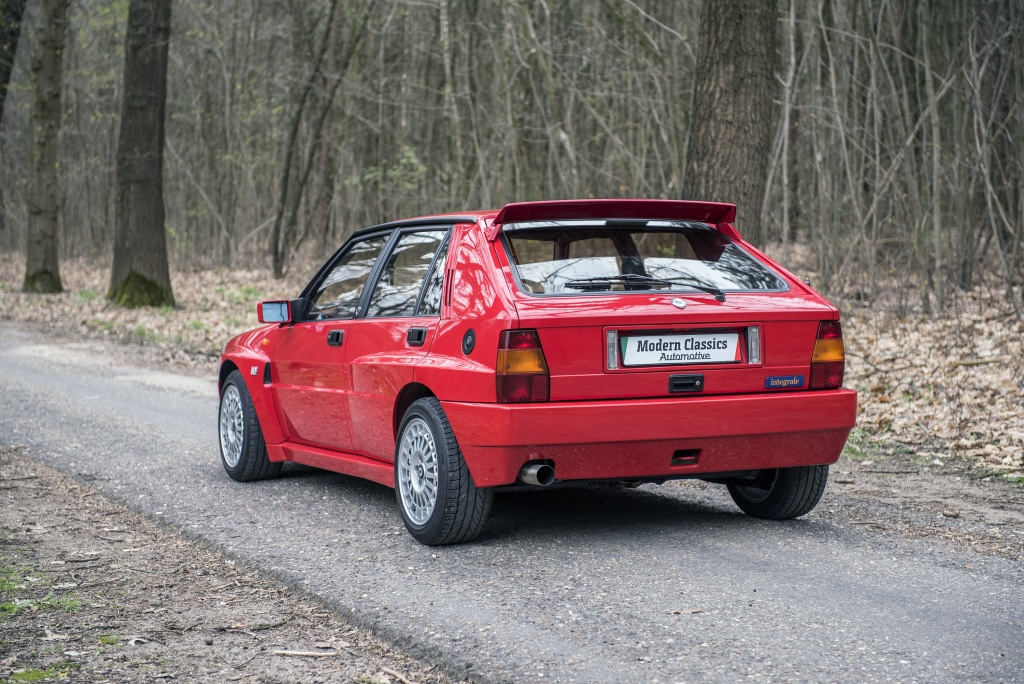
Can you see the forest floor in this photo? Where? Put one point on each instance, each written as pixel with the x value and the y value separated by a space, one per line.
pixel 93 592
pixel 90 591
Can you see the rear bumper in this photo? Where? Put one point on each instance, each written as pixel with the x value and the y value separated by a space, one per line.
pixel 638 438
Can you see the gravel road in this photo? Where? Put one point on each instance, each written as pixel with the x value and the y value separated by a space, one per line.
pixel 657 584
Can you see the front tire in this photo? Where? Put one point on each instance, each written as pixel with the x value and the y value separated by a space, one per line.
pixel 789 493
pixel 243 453
pixel 436 496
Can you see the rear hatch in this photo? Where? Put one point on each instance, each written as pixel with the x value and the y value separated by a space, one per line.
pixel 629 308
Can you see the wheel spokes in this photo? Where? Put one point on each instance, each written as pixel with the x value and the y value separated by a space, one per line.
pixel 232 426
pixel 417 471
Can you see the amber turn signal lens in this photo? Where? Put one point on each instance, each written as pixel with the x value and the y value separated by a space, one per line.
pixel 828 350
pixel 517 361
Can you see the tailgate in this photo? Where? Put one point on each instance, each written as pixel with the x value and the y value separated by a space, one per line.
pixel 750 343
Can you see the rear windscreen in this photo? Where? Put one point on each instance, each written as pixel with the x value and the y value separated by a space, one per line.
pixel 589 257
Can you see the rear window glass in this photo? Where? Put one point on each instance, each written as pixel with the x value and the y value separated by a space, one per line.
pixel 584 258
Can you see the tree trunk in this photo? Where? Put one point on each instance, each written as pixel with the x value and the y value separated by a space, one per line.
pixel 11 12
pixel 42 269
pixel 731 134
pixel 279 244
pixel 140 276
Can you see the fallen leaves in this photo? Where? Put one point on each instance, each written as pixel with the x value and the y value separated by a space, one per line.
pixel 951 381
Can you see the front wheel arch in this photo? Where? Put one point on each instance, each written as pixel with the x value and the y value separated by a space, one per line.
pixel 225 370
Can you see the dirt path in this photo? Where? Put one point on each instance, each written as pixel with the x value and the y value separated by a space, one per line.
pixel 91 592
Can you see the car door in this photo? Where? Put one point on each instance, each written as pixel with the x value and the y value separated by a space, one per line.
pixel 311 380
pixel 385 344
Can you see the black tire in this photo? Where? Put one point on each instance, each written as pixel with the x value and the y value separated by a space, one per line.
pixel 791 492
pixel 243 453
pixel 436 495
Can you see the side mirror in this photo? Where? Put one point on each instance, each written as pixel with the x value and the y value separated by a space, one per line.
pixel 281 311
pixel 274 312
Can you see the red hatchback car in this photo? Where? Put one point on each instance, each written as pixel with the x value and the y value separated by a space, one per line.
pixel 546 343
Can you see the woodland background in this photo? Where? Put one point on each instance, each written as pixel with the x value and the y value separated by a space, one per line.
pixel 896 163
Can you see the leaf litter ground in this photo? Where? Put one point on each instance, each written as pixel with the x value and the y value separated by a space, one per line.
pixel 90 591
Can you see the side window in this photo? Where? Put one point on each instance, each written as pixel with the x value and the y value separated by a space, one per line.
pixel 402 277
pixel 430 305
pixel 338 294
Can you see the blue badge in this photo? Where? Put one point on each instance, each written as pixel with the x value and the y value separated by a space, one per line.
pixel 784 381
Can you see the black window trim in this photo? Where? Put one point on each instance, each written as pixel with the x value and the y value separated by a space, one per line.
pixel 379 229
pixel 385 254
pixel 443 247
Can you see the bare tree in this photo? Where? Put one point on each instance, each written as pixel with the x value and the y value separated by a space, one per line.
pixel 896 158
pixel 140 276
pixel 11 12
pixel 731 135
pixel 42 270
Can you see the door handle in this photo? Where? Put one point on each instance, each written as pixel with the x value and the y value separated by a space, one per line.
pixel 416 337
pixel 335 337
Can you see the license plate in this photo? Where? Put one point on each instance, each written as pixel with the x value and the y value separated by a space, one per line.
pixel 676 349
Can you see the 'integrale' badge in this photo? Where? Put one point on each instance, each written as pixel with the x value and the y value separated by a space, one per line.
pixel 784 381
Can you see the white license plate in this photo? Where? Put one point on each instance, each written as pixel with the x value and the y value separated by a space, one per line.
pixel 675 349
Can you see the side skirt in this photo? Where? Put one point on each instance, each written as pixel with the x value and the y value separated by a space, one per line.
pixel 342 462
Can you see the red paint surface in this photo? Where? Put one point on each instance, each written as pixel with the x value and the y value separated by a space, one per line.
pixel 337 407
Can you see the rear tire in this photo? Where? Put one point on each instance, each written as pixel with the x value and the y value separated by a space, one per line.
pixel 436 496
pixel 243 453
pixel 791 492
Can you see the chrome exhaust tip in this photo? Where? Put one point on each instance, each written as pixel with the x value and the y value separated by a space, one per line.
pixel 537 474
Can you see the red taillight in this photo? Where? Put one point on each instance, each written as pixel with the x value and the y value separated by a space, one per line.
pixel 828 362
pixel 522 372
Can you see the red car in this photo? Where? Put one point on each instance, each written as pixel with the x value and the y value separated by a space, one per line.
pixel 546 343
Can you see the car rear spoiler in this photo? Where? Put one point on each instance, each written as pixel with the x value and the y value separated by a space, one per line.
pixel 718 214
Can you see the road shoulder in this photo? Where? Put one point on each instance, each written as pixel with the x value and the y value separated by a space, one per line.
pixel 92 591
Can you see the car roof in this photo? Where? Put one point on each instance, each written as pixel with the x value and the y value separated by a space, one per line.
pixel 719 214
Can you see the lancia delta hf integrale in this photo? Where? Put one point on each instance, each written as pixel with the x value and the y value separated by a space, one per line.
pixel 546 343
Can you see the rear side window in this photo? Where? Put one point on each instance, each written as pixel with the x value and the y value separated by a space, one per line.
pixel 401 280
pixel 567 259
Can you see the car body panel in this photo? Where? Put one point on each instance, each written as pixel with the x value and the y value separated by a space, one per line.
pixel 312 384
pixel 637 438
pixel 246 352
pixel 338 407
pixel 375 470
pixel 381 361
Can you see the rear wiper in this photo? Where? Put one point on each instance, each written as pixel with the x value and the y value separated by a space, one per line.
pixel 608 281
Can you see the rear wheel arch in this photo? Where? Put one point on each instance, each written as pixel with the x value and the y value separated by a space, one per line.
pixel 437 499
pixel 406 397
